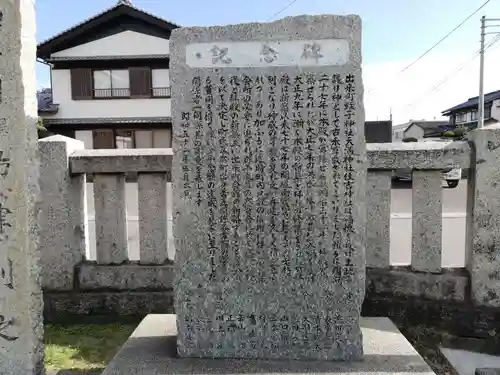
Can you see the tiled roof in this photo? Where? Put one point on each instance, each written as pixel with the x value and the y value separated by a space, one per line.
pixel 474 102
pixel 44 101
pixel 429 125
pixel 118 5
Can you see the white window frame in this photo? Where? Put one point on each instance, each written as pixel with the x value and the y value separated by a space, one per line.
pixel 111 83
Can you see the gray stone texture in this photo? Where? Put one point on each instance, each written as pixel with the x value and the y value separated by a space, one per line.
pixel 121 161
pixel 21 326
pixel 402 282
pixel 427 221
pixel 418 155
pixel 264 270
pixel 483 200
pixel 110 218
pixel 62 213
pixel 112 306
pixel 487 371
pixel 125 277
pixel 467 362
pixel 150 351
pixel 378 218
pixel 153 236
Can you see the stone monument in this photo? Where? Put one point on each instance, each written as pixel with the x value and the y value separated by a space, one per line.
pixel 269 176
pixel 21 324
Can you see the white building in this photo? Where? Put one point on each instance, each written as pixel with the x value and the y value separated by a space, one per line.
pixel 110 80
pixel 466 115
pixel 418 129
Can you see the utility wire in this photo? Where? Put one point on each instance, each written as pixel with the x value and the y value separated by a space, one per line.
pixel 440 40
pixel 445 37
pixel 460 68
pixel 282 10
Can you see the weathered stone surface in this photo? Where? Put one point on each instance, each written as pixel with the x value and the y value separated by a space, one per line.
pixel 125 277
pixel 427 221
pixel 75 307
pixel 21 327
pixel 153 221
pixel 418 155
pixel 269 179
pixel 487 371
pixel 63 212
pixel 110 218
pixel 378 212
pixel 401 281
pixel 150 351
pixel 121 161
pixel 483 202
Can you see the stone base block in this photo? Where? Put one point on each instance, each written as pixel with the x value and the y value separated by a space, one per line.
pixel 151 350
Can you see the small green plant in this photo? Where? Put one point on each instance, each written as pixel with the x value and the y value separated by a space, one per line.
pixel 449 134
pixel 39 125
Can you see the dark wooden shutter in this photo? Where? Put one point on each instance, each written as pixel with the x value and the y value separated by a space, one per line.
pixel 140 82
pixel 81 84
pixel 103 138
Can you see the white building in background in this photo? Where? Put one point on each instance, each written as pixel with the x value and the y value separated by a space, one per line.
pixel 110 80
pixel 418 129
pixel 466 115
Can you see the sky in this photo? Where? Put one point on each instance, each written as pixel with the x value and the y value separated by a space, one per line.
pixel 395 33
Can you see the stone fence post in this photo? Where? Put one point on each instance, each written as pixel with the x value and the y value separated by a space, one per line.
pixel 483 208
pixel 63 213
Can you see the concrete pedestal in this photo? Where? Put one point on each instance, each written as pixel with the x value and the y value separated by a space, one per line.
pixel 151 350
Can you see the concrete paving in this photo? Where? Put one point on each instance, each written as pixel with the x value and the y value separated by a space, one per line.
pixel 466 362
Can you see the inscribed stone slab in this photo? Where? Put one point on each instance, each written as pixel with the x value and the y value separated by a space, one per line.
pixel 152 351
pixel 21 329
pixel 269 175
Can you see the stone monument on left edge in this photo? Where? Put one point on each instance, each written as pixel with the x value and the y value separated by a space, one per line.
pixel 21 323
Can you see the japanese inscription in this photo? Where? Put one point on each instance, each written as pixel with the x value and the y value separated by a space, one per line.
pixel 268 53
pixel 220 55
pixel 272 215
pixel 312 51
pixel 271 165
pixel 5 324
pixel 325 52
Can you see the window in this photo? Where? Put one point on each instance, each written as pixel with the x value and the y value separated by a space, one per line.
pixel 161 83
pixel 487 112
pixel 461 117
pixel 130 138
pixel 135 82
pixel 124 139
pixel 111 83
pixel 473 116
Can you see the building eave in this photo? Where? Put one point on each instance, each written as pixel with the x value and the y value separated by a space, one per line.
pixel 49 46
pixel 106 58
pixel 106 120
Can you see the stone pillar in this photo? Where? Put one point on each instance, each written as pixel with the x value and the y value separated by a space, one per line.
pixel 483 208
pixel 21 322
pixel 63 213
